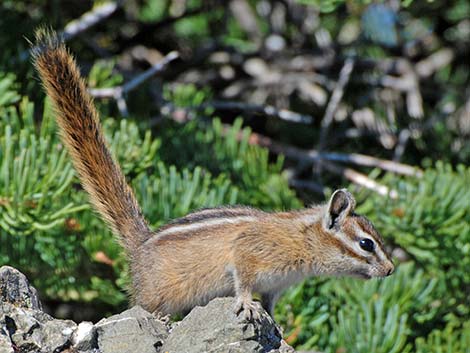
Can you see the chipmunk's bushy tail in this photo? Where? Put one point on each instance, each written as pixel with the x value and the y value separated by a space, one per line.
pixel 81 133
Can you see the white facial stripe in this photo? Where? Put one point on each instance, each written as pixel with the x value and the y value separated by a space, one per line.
pixel 204 224
pixel 351 245
pixel 347 242
pixel 380 253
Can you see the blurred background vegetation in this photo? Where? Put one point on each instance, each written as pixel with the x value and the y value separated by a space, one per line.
pixel 271 104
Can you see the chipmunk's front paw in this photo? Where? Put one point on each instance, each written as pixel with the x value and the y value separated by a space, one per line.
pixel 247 308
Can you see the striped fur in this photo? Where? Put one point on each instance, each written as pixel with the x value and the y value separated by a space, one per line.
pixel 210 214
pixel 228 249
pixel 209 253
pixel 205 225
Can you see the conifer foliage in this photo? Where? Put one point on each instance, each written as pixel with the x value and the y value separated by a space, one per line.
pixel 342 80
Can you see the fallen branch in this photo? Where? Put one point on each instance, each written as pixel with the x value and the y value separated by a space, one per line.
pixel 434 62
pixel 403 138
pixel 89 19
pixel 84 22
pixel 118 92
pixel 360 179
pixel 269 110
pixel 335 99
pixel 313 156
pixel 369 161
pixel 318 158
pixel 247 20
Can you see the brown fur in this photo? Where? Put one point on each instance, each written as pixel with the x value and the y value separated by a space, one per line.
pixel 208 253
pixel 81 133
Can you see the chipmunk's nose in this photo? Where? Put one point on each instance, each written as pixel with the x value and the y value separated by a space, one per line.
pixel 390 270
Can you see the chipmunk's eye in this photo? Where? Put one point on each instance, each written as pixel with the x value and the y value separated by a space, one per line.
pixel 366 244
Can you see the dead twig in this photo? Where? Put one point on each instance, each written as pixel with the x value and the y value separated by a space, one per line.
pixel 269 110
pixel 136 81
pixel 407 82
pixel 403 138
pixel 247 20
pixel 335 99
pixel 434 62
pixel 89 19
pixel 360 179
pixel 315 157
pixel 118 92
pixel 84 22
pixel 369 161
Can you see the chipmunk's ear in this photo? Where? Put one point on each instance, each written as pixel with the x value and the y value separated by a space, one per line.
pixel 341 204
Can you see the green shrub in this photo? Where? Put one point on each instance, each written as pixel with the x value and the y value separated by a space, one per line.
pixel 378 316
pixel 452 339
pixel 225 151
pixel 430 220
pixel 358 316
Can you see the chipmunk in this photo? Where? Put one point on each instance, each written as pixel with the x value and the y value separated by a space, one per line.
pixel 226 251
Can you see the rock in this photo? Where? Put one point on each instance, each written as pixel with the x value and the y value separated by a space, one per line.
pixel 5 343
pixel 134 330
pixel 34 331
pixel 215 328
pixel 284 348
pixel 25 326
pixel 85 337
pixel 15 289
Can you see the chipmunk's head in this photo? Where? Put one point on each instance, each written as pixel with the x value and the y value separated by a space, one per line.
pixel 355 246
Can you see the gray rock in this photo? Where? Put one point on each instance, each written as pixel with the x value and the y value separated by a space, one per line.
pixel 15 289
pixel 5 342
pixel 134 330
pixel 24 327
pixel 34 331
pixel 284 348
pixel 85 337
pixel 215 328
